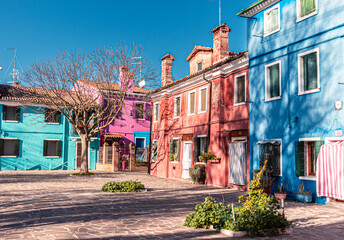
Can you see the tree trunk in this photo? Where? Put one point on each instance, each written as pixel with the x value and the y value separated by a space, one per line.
pixel 84 155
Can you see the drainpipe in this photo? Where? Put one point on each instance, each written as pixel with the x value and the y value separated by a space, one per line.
pixel 149 155
pixel 210 94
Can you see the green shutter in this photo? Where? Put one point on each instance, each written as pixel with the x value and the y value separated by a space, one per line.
pixel 178 149
pixel 45 147
pixel 58 148
pixel 16 147
pixel 299 159
pixel 1 147
pixel 4 110
pixel 18 114
pixel 317 145
pixel 58 117
pixel 196 149
pixel 171 148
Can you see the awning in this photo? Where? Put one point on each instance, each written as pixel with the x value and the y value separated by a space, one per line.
pixel 273 142
pixel 112 135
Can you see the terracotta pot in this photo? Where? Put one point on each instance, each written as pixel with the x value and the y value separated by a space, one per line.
pixel 280 195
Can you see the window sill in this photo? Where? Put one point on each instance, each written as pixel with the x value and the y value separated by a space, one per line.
pixel 12 121
pixel 9 156
pixel 239 104
pixel 270 33
pixel 299 19
pixel 310 178
pixel 310 91
pixel 191 114
pixel 273 99
pixel 174 162
pixel 176 117
pixel 51 156
pixel 155 121
pixel 52 123
pixel 140 119
pixel 199 112
pixel 200 163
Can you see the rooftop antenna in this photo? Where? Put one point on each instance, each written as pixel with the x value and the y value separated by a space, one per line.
pixel 137 60
pixel 219 12
pixel 15 72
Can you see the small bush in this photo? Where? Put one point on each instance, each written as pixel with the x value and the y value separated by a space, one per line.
pixel 82 174
pixel 197 173
pixel 126 186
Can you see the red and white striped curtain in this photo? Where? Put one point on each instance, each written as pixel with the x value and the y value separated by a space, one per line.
pixel 330 171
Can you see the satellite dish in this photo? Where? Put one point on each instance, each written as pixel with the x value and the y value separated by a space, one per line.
pixel 1 68
pixel 142 84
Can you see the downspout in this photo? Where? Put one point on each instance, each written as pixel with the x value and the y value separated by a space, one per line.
pixel 209 115
pixel 150 141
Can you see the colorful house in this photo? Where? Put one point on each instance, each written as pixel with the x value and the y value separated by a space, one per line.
pixel 206 111
pixel 131 126
pixel 31 138
pixel 296 79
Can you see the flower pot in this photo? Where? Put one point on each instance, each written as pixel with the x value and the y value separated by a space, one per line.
pixel 280 196
pixel 124 165
pixel 303 198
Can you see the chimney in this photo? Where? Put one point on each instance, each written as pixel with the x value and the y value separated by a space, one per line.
pixel 166 69
pixel 16 83
pixel 126 79
pixel 220 42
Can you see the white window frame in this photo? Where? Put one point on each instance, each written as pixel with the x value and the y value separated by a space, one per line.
pixel 267 81
pixel 199 100
pixel 143 114
pixel 266 23
pixel 306 140
pixel 201 66
pixel 300 72
pixel 9 156
pixel 298 11
pixel 156 120
pixel 53 140
pixel 235 90
pixel 189 104
pixel 281 154
pixel 180 106
pixel 141 138
pixel 157 149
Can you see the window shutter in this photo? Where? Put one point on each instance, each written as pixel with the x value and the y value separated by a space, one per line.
pixel 299 159
pixel 4 111
pixel 16 147
pixel 58 117
pixel 206 144
pixel 178 149
pixel 203 99
pixel 18 114
pixel 135 110
pixel 317 145
pixel 196 149
pixel 192 103
pixel 58 148
pixel 1 147
pixel 45 147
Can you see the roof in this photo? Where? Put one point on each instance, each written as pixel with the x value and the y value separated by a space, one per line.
pixel 112 135
pixel 111 86
pixel 257 7
pixel 250 7
pixel 168 56
pixel 198 49
pixel 231 57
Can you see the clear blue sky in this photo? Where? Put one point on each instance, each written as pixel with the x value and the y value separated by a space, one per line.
pixel 40 28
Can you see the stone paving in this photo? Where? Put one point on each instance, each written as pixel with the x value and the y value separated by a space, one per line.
pixel 55 205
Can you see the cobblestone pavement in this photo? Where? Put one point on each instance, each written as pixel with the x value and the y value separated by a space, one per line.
pixel 55 205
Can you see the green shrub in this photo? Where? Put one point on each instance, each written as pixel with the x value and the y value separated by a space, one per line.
pixel 126 186
pixel 82 174
pixel 207 213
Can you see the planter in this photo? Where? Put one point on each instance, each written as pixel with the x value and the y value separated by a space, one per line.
pixel 280 196
pixel 124 165
pixel 214 161
pixel 303 198
pixel 231 233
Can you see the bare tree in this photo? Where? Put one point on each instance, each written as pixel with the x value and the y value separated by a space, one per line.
pixel 89 88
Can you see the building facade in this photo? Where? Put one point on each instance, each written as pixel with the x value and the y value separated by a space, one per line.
pixel 295 66
pixel 34 139
pixel 206 111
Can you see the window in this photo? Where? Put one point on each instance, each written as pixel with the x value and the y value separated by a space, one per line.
pixel 202 106
pixel 139 110
pixel 306 8
pixel 309 80
pixel 306 155
pixel 156 112
pixel 201 146
pixel 155 151
pixel 10 113
pixel 140 142
pixel 52 148
pixel 192 98
pixel 9 147
pixel 199 66
pixel 273 81
pixel 174 150
pixel 272 20
pixel 271 151
pixel 177 107
pixel 51 116
pixel 240 89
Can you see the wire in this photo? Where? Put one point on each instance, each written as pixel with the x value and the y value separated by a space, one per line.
pixel 7 70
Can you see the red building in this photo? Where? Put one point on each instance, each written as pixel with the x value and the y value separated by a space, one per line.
pixel 206 111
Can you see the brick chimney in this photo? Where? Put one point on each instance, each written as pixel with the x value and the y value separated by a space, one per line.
pixel 166 69
pixel 126 79
pixel 220 42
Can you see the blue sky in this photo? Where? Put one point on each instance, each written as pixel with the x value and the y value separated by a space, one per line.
pixel 40 28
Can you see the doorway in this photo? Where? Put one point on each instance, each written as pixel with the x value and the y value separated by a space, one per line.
pixel 237 163
pixel 187 159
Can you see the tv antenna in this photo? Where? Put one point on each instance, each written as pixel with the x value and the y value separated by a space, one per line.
pixel 137 60
pixel 219 12
pixel 15 72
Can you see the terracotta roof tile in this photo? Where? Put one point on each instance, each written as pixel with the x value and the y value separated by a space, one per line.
pixel 111 86
pixel 198 49
pixel 112 135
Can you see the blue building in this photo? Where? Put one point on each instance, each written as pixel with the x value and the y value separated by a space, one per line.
pixel 32 137
pixel 296 77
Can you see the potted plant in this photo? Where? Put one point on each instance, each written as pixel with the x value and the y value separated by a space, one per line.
pixel 197 173
pixel 281 191
pixel 209 157
pixel 124 162
pixel 302 195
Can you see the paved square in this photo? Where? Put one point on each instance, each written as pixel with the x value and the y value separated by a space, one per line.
pixel 55 205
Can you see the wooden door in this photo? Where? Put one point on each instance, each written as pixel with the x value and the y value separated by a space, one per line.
pixel 237 163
